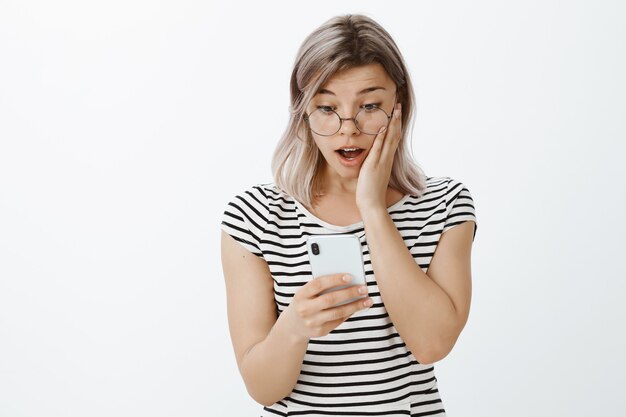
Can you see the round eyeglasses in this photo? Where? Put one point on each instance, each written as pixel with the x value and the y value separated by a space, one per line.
pixel 324 121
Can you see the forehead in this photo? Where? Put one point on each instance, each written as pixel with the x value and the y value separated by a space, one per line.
pixel 354 80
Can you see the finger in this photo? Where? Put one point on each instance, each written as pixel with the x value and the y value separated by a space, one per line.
pixel 341 313
pixel 374 153
pixel 332 298
pixel 394 135
pixel 325 282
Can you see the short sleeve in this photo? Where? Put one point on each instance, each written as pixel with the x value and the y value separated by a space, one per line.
pixel 245 218
pixel 459 206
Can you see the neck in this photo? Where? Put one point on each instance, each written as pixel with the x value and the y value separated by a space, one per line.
pixel 335 185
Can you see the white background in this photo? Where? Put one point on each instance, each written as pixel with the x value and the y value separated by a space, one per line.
pixel 126 126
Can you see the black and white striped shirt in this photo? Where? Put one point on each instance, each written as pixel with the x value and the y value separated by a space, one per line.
pixel 363 367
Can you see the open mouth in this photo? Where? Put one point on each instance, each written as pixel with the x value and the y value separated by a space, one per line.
pixel 349 153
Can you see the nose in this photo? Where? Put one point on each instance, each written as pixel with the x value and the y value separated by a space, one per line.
pixel 348 126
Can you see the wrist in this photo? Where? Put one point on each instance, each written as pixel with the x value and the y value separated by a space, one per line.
pixel 286 331
pixel 372 214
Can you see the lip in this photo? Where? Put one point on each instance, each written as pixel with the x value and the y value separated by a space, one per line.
pixel 357 161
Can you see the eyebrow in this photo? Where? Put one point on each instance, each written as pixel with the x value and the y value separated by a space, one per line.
pixel 366 90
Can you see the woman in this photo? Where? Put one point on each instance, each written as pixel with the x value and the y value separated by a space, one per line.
pixel 343 166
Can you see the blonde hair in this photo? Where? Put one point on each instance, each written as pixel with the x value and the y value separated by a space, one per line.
pixel 341 43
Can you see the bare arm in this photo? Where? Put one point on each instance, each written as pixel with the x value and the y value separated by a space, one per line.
pixel 270 349
pixel 429 310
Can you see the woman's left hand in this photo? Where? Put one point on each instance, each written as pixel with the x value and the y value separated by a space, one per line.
pixel 371 189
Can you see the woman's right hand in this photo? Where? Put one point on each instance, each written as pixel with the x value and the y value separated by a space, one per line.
pixel 312 314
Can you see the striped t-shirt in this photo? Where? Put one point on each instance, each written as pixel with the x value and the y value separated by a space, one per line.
pixel 362 367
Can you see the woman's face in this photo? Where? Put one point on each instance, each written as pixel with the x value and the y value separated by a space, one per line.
pixel 348 92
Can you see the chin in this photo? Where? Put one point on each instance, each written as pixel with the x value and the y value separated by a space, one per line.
pixel 348 173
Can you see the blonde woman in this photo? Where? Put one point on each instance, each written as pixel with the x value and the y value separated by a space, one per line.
pixel 343 166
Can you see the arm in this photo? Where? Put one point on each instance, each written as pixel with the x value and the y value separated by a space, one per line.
pixel 429 309
pixel 270 350
pixel 268 357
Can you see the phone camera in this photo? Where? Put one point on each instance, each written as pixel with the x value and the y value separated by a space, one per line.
pixel 315 249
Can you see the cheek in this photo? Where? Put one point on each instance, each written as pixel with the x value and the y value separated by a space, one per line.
pixel 323 146
pixel 318 144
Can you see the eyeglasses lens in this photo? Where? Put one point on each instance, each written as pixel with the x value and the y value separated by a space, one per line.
pixel 368 121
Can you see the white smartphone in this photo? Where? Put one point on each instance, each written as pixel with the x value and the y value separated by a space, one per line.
pixel 335 254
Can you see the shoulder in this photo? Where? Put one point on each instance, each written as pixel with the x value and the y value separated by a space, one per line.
pixel 258 199
pixel 455 198
pixel 456 188
pixel 273 193
pixel 247 214
pixel 446 188
pixel 251 199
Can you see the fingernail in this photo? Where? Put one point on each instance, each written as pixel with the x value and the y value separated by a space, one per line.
pixel 362 290
pixel 347 278
pixel 368 302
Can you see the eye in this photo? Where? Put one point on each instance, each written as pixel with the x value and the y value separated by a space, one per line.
pixel 371 106
pixel 326 109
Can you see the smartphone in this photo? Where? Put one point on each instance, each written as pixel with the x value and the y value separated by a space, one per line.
pixel 335 254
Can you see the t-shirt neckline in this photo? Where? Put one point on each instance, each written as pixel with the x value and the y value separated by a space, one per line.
pixel 349 227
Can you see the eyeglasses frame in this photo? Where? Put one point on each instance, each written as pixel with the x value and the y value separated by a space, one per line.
pixel 341 119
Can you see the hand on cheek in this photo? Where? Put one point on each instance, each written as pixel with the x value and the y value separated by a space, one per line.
pixel 376 169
